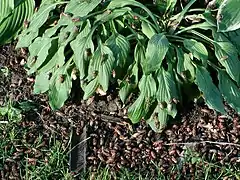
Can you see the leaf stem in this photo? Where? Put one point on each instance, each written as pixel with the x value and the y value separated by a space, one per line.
pixel 203 36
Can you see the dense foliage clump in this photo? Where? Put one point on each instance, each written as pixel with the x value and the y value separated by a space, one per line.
pixel 157 51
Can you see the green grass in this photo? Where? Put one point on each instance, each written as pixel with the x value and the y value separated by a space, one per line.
pixel 52 164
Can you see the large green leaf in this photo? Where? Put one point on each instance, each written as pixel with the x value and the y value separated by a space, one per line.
pixel 228 56
pixel 148 30
pixel 230 90
pixel 81 8
pixel 147 85
pixel 60 87
pixel 120 47
pixel 125 89
pixel 184 64
pixel 228 17
pixel 156 50
pixel 13 14
pixel 81 46
pixel 37 21
pixel 138 109
pixel 106 67
pixel 167 90
pixel 119 4
pixel 211 94
pixel 91 88
pixel 38 53
pixel 234 37
pixel 198 50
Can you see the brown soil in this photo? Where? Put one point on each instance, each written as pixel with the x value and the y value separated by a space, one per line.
pixel 111 139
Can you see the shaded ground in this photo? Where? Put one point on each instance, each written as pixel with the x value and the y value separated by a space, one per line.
pixel 200 139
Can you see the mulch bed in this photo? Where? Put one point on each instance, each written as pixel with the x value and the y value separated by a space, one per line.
pixel 110 137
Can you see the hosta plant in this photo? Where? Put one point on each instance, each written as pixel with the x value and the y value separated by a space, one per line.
pixel 13 15
pixel 159 53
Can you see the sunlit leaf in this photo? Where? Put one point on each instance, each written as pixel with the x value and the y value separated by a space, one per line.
pixel 228 17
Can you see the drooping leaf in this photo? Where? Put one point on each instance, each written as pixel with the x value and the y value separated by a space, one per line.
pixel 81 8
pixel 228 17
pixel 198 50
pixel 41 84
pixel 156 50
pixel 125 90
pixel 82 46
pixel 106 67
pixel 147 86
pixel 184 64
pixel 120 4
pixel 166 86
pixel 91 88
pixel 234 37
pixel 228 57
pixel 148 30
pixel 94 64
pixel 37 20
pixel 158 120
pixel 230 90
pixel 63 21
pixel 38 53
pixel 167 90
pixel 210 92
pixel 60 87
pixel 12 17
pixel 120 47
pixel 138 109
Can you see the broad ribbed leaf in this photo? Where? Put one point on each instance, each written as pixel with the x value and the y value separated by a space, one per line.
pixel 166 86
pixel 228 56
pixel 81 8
pixel 91 88
pixel 156 50
pixel 120 47
pixel 12 17
pixel 38 53
pixel 147 86
pixel 198 50
pixel 38 19
pixel 184 64
pixel 82 46
pixel 138 109
pixel 228 17
pixel 167 90
pixel 106 67
pixel 210 92
pixel 41 84
pixel 125 90
pixel 94 64
pixel 234 37
pixel 230 90
pixel 60 87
